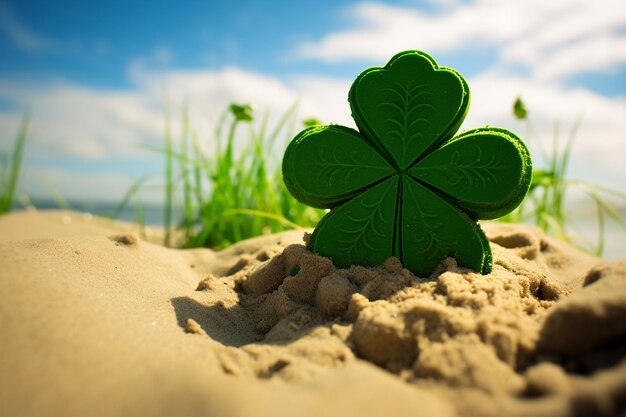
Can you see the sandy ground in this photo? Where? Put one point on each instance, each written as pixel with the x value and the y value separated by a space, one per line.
pixel 95 321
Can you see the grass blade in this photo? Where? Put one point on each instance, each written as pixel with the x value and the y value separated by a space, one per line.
pixel 15 164
pixel 169 178
pixel 264 214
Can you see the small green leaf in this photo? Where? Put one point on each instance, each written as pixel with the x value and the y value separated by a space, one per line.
pixel 519 109
pixel 311 122
pixel 241 112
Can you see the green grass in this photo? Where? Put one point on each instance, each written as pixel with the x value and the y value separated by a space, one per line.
pixel 545 204
pixel 236 191
pixel 10 168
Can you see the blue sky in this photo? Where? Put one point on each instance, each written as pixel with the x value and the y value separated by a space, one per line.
pixel 95 73
pixel 93 42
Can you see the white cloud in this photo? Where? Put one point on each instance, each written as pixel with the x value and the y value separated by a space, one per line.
pixel 382 30
pixel 77 125
pixel 599 52
pixel 583 36
pixel 88 123
pixel 82 122
pixel 214 88
pixel 544 35
pixel 208 94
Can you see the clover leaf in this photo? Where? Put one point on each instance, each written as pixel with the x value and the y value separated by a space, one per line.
pixel 402 185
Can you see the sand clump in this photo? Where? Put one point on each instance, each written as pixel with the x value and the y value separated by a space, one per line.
pixel 543 334
pixel 454 319
pixel 510 334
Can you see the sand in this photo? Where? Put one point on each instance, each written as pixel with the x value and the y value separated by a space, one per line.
pixel 95 320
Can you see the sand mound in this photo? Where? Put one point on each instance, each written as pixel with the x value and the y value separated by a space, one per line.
pixel 98 321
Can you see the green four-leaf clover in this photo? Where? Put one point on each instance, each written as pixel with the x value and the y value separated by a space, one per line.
pixel 403 185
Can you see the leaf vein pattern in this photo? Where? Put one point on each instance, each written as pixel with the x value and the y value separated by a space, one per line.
pixel 356 236
pixel 478 171
pixel 331 166
pixel 433 240
pixel 407 104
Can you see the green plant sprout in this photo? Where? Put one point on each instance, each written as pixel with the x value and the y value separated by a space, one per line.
pixel 311 122
pixel 227 196
pixel 403 185
pixel 545 203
